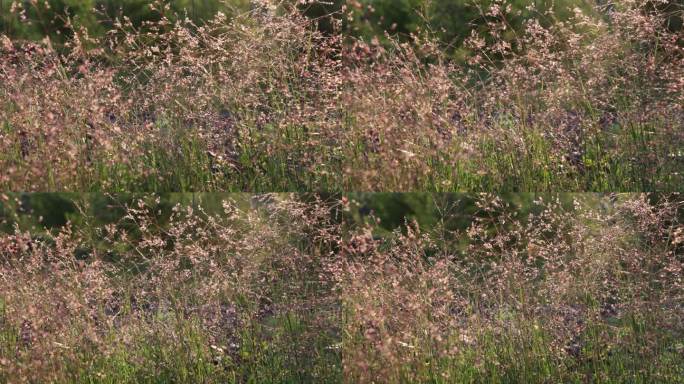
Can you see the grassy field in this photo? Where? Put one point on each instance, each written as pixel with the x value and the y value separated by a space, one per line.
pixel 125 280
pixel 264 102
pixel 279 290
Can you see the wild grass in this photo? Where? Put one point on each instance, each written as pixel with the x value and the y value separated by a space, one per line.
pixel 558 296
pixel 264 102
pixel 231 297
pixel 290 290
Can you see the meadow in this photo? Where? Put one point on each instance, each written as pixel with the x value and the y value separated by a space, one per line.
pixel 286 288
pixel 359 191
pixel 264 100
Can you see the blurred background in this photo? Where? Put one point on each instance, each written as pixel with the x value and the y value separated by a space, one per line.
pixel 449 21
pixel 33 19
pixel 445 216
pixel 52 211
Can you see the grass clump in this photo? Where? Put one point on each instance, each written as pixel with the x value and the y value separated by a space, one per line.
pixel 231 297
pixel 263 101
pixel 561 295
pixel 292 290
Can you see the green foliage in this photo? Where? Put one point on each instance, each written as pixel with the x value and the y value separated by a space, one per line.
pixel 52 18
pixel 452 20
pixel 321 12
pixel 139 11
pixel 401 16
